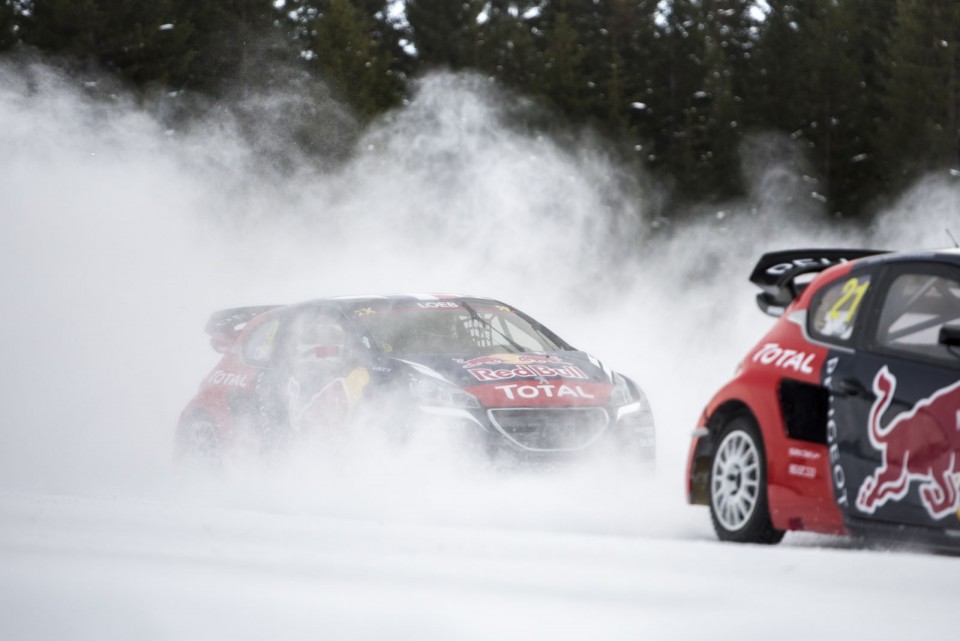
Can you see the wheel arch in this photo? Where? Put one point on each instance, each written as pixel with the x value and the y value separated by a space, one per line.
pixel 700 462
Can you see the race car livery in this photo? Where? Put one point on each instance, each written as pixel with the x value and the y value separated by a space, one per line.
pixel 328 367
pixel 845 417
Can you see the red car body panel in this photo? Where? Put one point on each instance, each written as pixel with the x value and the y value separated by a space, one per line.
pixel 799 488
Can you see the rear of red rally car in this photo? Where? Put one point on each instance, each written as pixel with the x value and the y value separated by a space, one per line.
pixel 780 387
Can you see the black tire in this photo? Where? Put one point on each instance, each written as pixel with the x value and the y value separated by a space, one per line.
pixel 198 441
pixel 737 486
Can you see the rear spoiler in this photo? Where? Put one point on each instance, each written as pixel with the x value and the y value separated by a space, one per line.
pixel 776 273
pixel 224 326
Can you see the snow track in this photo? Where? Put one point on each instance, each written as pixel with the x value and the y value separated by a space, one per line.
pixel 219 563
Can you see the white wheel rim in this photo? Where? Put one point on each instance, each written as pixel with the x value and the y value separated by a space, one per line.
pixel 735 480
pixel 198 435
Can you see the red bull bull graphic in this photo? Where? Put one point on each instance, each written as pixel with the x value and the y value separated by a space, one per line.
pixel 921 444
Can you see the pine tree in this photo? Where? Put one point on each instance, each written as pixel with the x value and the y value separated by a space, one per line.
pixel 629 82
pixel 816 77
pixel 352 52
pixel 142 41
pixel 564 78
pixel 445 32
pixel 923 93
pixel 8 24
pixel 243 45
pixel 507 44
pixel 852 164
pixel 679 102
pixel 728 42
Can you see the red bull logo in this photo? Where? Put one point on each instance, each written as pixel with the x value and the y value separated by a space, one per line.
pixel 512 359
pixel 527 371
pixel 921 444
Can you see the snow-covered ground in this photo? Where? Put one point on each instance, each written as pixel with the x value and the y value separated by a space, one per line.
pixel 118 239
pixel 545 556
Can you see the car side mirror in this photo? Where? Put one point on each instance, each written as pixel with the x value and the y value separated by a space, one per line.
pixel 950 335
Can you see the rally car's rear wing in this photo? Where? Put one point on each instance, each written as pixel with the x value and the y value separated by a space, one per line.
pixel 777 273
pixel 224 326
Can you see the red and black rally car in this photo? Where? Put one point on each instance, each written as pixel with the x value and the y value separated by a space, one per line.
pixel 471 366
pixel 845 417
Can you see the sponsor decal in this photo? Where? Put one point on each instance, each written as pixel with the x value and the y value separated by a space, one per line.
pixel 528 371
pixel 782 268
pixel 774 354
pixel 840 317
pixel 511 359
pixel 799 452
pixel 329 406
pixel 227 379
pixel 366 311
pixel 326 408
pixel 516 391
pixel 802 471
pixel 833 447
pixel 438 305
pixel 921 444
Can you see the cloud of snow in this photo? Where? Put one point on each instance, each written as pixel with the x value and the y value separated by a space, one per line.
pixel 118 238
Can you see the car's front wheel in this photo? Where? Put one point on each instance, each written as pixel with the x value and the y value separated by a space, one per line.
pixel 198 441
pixel 738 485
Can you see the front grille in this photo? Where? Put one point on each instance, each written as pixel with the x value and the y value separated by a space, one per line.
pixel 567 428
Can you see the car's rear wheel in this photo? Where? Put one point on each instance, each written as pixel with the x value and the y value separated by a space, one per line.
pixel 738 485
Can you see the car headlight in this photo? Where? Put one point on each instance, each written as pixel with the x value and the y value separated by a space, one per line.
pixel 633 409
pixel 622 393
pixel 438 393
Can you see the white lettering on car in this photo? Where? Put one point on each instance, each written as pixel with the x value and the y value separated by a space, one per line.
pixel 783 268
pixel 802 471
pixel 799 452
pixel 221 377
pixel 527 371
pixel 839 478
pixel 515 391
pixel 774 354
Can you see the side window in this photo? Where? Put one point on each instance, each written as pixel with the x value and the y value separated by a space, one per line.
pixel 316 335
pixel 916 306
pixel 259 347
pixel 836 309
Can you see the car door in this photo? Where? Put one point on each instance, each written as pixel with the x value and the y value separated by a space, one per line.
pixel 320 378
pixel 896 403
pixel 836 319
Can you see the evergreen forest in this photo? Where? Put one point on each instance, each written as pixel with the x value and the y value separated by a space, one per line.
pixel 868 90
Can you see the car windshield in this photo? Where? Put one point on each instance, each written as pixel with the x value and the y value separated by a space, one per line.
pixel 449 327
